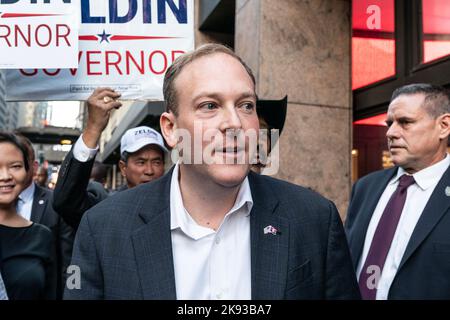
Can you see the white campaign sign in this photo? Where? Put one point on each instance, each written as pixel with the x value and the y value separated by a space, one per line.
pixel 124 44
pixel 38 36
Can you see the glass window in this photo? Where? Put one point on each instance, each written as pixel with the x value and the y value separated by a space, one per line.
pixel 370 152
pixel 436 29
pixel 379 120
pixel 373 41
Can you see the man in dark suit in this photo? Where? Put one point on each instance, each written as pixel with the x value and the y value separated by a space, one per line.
pixel 398 221
pixel 35 204
pixel 142 153
pixel 41 177
pixel 209 229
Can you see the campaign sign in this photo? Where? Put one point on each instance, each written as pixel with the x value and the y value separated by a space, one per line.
pixel 124 44
pixel 38 36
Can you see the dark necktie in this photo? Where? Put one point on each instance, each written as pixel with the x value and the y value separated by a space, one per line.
pixel 382 238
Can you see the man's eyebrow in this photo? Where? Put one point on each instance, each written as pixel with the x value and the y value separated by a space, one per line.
pixel 149 159
pixel 207 94
pixel 248 95
pixel 404 118
pixel 218 96
pixel 400 119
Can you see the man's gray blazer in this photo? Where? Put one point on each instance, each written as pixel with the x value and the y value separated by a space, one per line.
pixel 124 250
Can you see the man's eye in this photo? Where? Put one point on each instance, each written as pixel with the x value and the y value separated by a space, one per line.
pixel 208 106
pixel 404 123
pixel 248 106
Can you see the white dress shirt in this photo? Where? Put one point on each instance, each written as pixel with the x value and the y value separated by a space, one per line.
pixel 417 197
pixel 25 202
pixel 82 152
pixel 211 264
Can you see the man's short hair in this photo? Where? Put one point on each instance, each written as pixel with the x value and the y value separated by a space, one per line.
pixel 170 94
pixel 437 98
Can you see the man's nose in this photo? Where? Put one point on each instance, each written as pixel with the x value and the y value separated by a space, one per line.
pixel 392 131
pixel 231 119
pixel 149 169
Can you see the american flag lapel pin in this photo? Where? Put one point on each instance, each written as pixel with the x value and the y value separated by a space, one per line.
pixel 271 229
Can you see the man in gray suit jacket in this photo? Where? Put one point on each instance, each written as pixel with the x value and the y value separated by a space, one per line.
pixel 209 229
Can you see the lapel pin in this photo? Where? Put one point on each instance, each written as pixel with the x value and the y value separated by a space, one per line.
pixel 447 191
pixel 41 201
pixel 271 229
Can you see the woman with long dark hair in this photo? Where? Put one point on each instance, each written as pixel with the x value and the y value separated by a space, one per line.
pixel 26 263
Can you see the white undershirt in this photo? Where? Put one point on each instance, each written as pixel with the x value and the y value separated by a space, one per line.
pixel 211 264
pixel 417 197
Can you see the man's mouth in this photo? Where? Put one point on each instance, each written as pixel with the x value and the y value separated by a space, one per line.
pixel 230 150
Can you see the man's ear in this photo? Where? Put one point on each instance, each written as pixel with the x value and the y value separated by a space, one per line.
pixel 123 168
pixel 444 124
pixel 168 128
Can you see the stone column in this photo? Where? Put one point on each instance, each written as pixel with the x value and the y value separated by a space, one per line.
pixel 207 37
pixel 302 48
